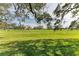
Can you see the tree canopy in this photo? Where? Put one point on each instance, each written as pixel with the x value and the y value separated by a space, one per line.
pixel 24 10
pixel 63 9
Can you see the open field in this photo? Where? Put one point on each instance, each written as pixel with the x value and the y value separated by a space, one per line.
pixel 39 42
pixel 38 34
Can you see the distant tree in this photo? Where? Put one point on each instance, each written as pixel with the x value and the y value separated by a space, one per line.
pixel 28 27
pixel 38 27
pixel 45 18
pixel 3 25
pixel 49 26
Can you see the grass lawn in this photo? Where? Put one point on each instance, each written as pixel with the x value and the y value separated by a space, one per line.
pixel 39 42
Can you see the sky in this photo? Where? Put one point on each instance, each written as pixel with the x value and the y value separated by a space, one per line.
pixel 50 7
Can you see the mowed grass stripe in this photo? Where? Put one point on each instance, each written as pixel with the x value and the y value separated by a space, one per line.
pixel 39 34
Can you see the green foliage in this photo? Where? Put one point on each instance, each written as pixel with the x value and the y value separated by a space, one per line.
pixel 57 10
pixel 63 9
pixel 43 16
pixel 3 8
pixel 3 25
pixel 31 7
pixel 38 6
pixel 73 23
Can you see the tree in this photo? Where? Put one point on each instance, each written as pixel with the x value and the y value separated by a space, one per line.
pixel 4 10
pixel 49 26
pixel 38 27
pixel 24 9
pixel 73 24
pixel 4 13
pixel 46 18
pixel 57 24
pixel 35 9
pixel 63 9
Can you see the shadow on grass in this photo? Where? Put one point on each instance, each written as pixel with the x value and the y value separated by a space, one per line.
pixel 1 37
pixel 41 47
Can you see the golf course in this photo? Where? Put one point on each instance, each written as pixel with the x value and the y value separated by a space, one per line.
pixel 39 29
pixel 39 42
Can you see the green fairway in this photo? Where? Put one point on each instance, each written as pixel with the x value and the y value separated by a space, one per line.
pixel 39 34
pixel 39 42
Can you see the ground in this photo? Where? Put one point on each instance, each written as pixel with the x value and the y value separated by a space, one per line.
pixel 39 42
